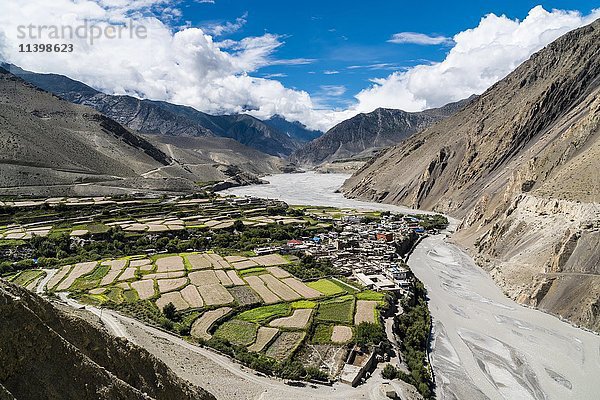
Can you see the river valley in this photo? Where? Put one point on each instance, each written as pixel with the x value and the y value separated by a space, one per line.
pixel 485 346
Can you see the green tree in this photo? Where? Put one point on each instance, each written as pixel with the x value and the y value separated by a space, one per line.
pixel 170 311
pixel 389 372
pixel 368 334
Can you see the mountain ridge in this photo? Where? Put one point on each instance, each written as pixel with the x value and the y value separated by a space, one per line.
pixel 519 166
pixel 163 118
pixel 55 147
pixel 367 133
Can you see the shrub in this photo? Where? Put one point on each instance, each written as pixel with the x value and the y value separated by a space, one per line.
pixel 169 311
pixel 389 372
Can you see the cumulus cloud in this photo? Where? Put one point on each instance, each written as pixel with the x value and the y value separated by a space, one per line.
pixel 418 38
pixel 184 66
pixel 480 57
pixel 188 66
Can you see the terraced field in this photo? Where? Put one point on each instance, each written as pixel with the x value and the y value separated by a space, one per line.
pixel 253 302
pixel 284 345
pixel 340 310
pixel 199 279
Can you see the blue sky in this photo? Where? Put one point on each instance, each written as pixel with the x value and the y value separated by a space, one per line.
pixel 348 41
pixel 317 62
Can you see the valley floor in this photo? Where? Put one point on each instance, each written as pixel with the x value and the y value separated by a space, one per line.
pixel 484 344
pixel 221 376
pixel 487 346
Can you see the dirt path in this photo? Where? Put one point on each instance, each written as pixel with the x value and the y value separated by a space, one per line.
pixel 42 284
pixel 218 374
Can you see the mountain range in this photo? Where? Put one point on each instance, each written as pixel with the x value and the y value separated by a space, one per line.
pixel 54 147
pixel 364 134
pixel 275 136
pixel 519 165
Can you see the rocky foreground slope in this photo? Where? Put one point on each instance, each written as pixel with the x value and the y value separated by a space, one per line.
pixel 520 166
pixel 49 354
pixel 363 135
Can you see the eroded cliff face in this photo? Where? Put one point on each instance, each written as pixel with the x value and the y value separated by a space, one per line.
pixel 545 253
pixel 48 354
pixel 519 166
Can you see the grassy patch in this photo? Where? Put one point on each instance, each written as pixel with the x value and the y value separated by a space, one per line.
pixel 262 315
pixel 11 242
pixel 348 288
pixel 370 295
pixel 322 334
pixel 93 299
pixel 339 310
pixel 326 286
pixel 237 332
pixel 115 294
pixel 130 296
pixel 92 228
pixel 303 304
pixel 26 277
pixel 92 280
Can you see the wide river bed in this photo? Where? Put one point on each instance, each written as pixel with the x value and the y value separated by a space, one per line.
pixel 485 345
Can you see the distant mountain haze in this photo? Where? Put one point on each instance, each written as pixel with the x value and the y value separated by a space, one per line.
pixel 275 136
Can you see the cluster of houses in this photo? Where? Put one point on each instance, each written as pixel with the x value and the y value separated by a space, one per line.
pixel 366 251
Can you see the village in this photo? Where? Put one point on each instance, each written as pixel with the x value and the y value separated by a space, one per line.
pixel 320 293
pixel 365 250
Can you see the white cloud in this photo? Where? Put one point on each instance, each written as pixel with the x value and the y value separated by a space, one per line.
pixel 226 28
pixel 187 66
pixel 275 75
pixel 293 61
pixel 333 90
pixel 418 38
pixel 331 72
pixel 479 58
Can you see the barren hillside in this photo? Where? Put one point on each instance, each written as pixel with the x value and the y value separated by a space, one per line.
pixel 48 354
pixel 519 164
pixel 53 147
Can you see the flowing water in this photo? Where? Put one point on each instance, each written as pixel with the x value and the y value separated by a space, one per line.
pixel 485 346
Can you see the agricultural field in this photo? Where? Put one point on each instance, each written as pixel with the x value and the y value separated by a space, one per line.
pixel 189 266
pixel 188 280
pixel 29 279
pixel 338 310
pixel 262 307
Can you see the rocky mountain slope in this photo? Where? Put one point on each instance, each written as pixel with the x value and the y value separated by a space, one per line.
pixel 162 118
pixel 520 166
pixel 50 354
pixel 295 130
pixel 363 135
pixel 53 147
